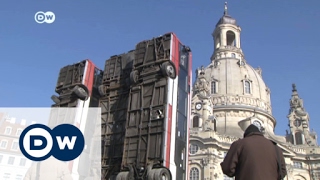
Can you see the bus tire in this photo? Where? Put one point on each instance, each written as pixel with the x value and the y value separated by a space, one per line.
pixel 150 175
pixel 101 90
pixel 81 91
pixel 55 99
pixel 123 176
pixel 162 174
pixel 168 69
pixel 134 75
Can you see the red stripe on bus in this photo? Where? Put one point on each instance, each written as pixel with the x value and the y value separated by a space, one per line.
pixel 89 76
pixel 178 55
pixel 175 52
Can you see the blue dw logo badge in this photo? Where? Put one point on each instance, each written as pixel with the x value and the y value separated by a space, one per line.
pixel 38 142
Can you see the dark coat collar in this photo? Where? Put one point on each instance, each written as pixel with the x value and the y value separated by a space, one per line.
pixel 254 133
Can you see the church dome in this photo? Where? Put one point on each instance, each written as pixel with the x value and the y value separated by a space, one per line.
pixel 237 92
pixel 226 19
pixel 236 83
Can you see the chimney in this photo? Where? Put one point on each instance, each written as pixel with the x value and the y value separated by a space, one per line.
pixel 23 122
pixel 12 120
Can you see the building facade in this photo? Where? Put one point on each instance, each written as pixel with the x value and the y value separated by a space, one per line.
pixel 13 165
pixel 228 96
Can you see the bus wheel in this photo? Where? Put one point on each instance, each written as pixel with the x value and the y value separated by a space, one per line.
pixel 81 92
pixel 55 99
pixel 150 175
pixel 168 69
pixel 123 176
pixel 101 90
pixel 162 174
pixel 134 75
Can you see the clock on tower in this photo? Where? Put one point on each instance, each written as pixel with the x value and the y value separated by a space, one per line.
pixel 297 122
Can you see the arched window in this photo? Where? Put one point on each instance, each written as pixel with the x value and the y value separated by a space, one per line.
pixel 231 38
pixel 298 137
pixel 218 41
pixel 215 125
pixel 297 165
pixel 194 174
pixel 195 121
pixel 233 55
pixel 247 88
pixel 213 87
pixel 193 148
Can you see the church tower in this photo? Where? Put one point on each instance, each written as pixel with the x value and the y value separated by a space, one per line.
pixel 236 92
pixel 226 37
pixel 300 133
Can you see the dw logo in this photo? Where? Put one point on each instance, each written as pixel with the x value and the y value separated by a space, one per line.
pixel 47 17
pixel 38 142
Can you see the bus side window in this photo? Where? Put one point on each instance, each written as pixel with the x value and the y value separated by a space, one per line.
pixel 97 77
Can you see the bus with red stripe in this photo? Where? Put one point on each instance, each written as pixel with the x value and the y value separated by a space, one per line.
pixel 156 139
pixel 77 88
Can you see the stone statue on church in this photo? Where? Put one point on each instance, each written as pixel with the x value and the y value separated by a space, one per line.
pixel 202 85
pixel 296 105
pixel 207 126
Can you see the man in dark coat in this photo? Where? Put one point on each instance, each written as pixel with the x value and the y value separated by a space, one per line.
pixel 254 158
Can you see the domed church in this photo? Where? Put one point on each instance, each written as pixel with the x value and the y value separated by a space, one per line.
pixel 228 96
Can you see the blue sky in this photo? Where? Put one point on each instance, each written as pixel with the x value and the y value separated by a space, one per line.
pixel 281 37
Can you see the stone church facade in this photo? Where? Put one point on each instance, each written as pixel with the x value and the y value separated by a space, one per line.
pixel 228 96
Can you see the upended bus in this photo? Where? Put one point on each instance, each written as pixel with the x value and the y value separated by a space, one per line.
pixel 77 88
pixel 156 137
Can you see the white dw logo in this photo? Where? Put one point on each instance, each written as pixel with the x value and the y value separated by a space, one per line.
pixel 44 17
